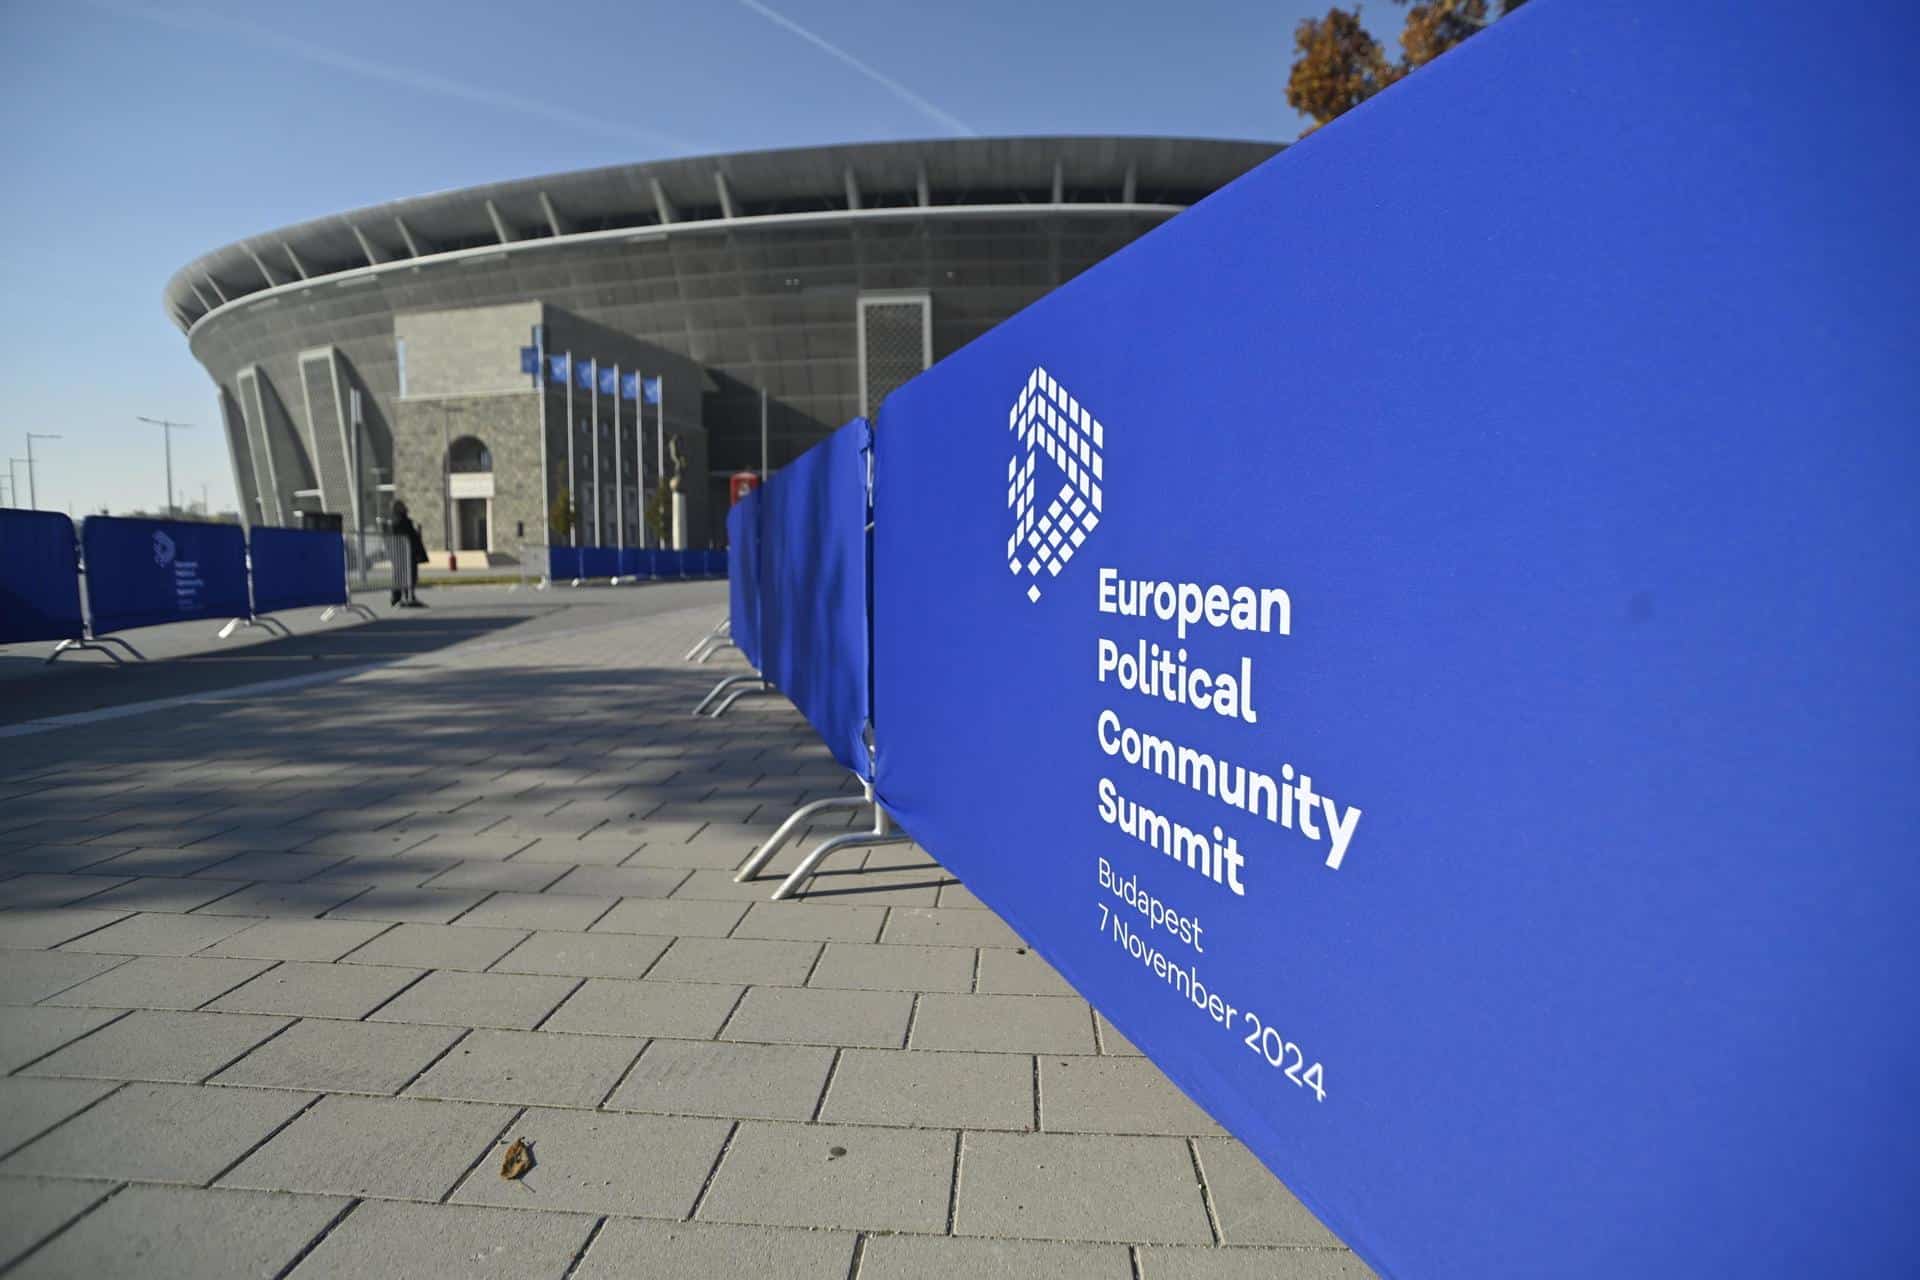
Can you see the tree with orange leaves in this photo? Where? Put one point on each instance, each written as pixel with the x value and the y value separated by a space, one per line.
pixel 1338 64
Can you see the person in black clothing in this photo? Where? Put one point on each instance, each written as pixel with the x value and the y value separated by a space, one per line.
pixel 406 552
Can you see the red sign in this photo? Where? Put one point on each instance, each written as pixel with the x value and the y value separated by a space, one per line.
pixel 740 484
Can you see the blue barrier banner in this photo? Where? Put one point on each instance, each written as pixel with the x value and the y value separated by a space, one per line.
pixel 1424 641
pixel 650 563
pixel 632 562
pixel 716 566
pixel 743 577
pixel 39 577
pixel 141 573
pixel 599 562
pixel 563 563
pixel 813 586
pixel 297 567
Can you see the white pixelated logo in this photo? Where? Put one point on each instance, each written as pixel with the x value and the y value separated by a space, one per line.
pixel 1046 419
pixel 162 548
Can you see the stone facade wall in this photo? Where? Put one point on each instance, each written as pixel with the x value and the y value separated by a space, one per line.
pixel 509 425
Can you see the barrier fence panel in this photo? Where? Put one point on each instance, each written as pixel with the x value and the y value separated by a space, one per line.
pixel 813 582
pixel 632 562
pixel 564 563
pixel 141 573
pixel 1424 642
pixel 743 577
pixel 293 568
pixel 39 577
pixel 599 562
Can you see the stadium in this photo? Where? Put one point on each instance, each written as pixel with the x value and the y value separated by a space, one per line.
pixel 802 284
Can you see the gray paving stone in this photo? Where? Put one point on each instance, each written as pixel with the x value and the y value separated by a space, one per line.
pixel 447 1242
pixel 315 940
pixel 276 868
pixel 716 884
pixel 692 857
pixel 160 862
pixel 27 1033
pixel 1160 1263
pixel 811 922
pixel 697 1077
pixel 303 900
pixel 553 849
pixel 44 891
pixel 912 1257
pixel 54 859
pixel 592 1162
pixel 184 1048
pixel 162 893
pixel 29 1107
pixel 508 1000
pixel 306 990
pixel 472 848
pixel 401 871
pixel 38 1207
pixel 810 1016
pixel 958 895
pixel 529 1068
pixel 620 882
pixel 1253 1206
pixel 186 1233
pixel 255 837
pixel 929 1090
pixel 325 1056
pixel 34 928
pixel 158 982
pixel 612 1007
pixel 1003 1024
pixel 884 967
pixel 1115 1095
pixel 392 1148
pixel 1073 1187
pixel 437 946
pixel 159 935
pixel 1019 973
pixel 427 906
pixel 788 1175
pixel 1112 1043
pixel 159 1133
pixel 877 884
pixel 583 955
pixel 948 927
pixel 675 918
pixel 749 960
pixel 522 877
pixel 633 1249
pixel 361 844
pixel 538 911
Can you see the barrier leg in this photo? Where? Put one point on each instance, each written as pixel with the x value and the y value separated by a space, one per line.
pixel 353 608
pixel 269 623
pixel 882 833
pixel 719 628
pixel 97 641
pixel 737 694
pixel 785 832
pixel 724 685
pixel 723 644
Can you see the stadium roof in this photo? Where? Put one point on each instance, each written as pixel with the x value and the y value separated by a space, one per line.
pixel 883 179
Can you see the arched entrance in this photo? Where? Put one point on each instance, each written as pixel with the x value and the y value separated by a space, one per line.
pixel 470 484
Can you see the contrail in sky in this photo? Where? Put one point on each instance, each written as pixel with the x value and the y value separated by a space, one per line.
pixel 199 20
pixel 887 82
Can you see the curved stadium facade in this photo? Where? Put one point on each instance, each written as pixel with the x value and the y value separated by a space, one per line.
pixel 823 277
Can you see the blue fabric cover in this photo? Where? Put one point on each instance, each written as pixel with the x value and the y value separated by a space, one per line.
pixel 813 579
pixel 1568 389
pixel 293 568
pixel 599 562
pixel 141 573
pixel 39 577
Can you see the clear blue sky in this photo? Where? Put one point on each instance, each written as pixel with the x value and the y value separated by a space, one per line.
pixel 138 136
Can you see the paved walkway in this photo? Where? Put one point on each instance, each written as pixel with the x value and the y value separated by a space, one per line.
pixel 286 973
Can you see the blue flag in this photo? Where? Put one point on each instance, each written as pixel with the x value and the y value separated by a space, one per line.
pixel 556 368
pixel 606 382
pixel 630 386
pixel 653 390
pixel 583 376
pixel 529 360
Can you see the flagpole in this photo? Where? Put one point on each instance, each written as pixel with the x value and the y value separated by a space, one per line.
pixel 573 492
pixel 660 457
pixel 619 471
pixel 593 370
pixel 546 484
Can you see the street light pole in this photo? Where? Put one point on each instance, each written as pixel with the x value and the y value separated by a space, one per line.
pixel 167 429
pixel 13 478
pixel 33 487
